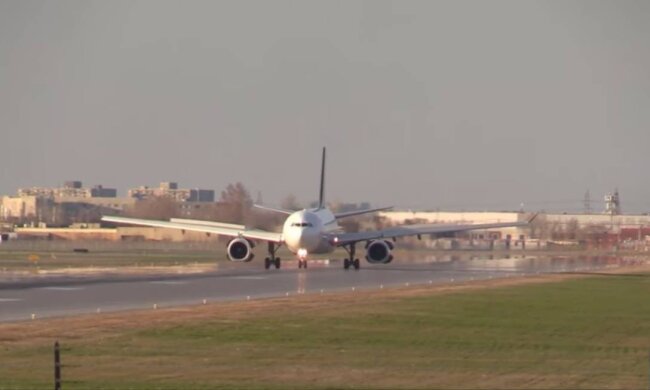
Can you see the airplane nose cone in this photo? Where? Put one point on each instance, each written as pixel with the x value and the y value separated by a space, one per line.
pixel 294 239
pixel 305 239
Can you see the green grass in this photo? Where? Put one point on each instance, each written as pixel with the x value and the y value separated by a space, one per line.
pixel 32 260
pixel 26 260
pixel 583 333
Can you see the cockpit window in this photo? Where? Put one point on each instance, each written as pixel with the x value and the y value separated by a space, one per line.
pixel 302 224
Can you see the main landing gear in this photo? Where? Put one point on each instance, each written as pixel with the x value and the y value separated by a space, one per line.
pixel 272 260
pixel 302 263
pixel 351 261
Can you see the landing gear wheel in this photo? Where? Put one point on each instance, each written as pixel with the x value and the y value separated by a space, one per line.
pixel 272 261
pixel 351 261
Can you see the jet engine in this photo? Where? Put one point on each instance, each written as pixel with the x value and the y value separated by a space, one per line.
pixel 240 249
pixel 378 252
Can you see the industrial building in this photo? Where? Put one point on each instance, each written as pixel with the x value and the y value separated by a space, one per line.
pixel 610 225
pixel 548 229
pixel 440 217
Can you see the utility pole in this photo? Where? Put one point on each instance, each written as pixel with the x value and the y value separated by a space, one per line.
pixel 587 203
pixel 57 367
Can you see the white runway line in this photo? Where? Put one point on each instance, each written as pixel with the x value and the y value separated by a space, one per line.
pixel 170 282
pixel 10 299
pixel 62 288
pixel 248 277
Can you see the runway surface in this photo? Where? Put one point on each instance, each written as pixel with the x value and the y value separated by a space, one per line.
pixel 57 297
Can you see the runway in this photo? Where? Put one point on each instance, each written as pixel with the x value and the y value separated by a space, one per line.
pixel 56 297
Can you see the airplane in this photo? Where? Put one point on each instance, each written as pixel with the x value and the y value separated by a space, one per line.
pixel 311 231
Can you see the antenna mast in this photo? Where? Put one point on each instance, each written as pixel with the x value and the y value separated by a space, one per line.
pixel 587 202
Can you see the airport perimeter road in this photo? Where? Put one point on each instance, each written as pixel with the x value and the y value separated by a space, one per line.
pixel 47 298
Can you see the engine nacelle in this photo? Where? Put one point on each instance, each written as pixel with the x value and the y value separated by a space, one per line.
pixel 240 249
pixel 378 252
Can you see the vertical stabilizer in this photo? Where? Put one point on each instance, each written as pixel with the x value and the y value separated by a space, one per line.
pixel 321 198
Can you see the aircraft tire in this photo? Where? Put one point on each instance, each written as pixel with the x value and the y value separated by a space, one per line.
pixel 267 263
pixel 356 264
pixel 277 263
pixel 346 263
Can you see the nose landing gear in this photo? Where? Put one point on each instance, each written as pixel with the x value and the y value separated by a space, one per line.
pixel 302 258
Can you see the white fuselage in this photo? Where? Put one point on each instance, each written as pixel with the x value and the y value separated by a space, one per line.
pixel 307 231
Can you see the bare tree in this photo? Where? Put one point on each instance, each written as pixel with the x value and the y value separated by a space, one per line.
pixel 352 224
pixel 154 208
pixel 290 202
pixel 235 204
pixel 539 228
pixel 571 229
pixel 265 220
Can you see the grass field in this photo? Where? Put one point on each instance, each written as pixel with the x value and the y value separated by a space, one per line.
pixel 588 332
pixel 22 260
pixel 33 260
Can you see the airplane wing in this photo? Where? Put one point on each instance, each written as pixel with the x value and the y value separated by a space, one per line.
pixel 413 230
pixel 207 223
pixel 217 228
pixel 359 212
pixel 273 209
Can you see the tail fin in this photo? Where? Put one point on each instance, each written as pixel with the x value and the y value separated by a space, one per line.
pixel 321 199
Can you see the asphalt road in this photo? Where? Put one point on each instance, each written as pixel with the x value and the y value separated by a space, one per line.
pixel 50 297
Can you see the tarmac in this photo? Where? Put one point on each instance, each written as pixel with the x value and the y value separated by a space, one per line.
pixel 52 296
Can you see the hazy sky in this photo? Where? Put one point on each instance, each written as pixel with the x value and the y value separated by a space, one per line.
pixel 474 105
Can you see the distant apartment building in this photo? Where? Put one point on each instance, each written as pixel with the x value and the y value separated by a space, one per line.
pixel 74 203
pixel 171 190
pixel 25 208
pixel 61 205
pixel 70 189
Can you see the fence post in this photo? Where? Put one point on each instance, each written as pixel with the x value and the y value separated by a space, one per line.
pixel 57 367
